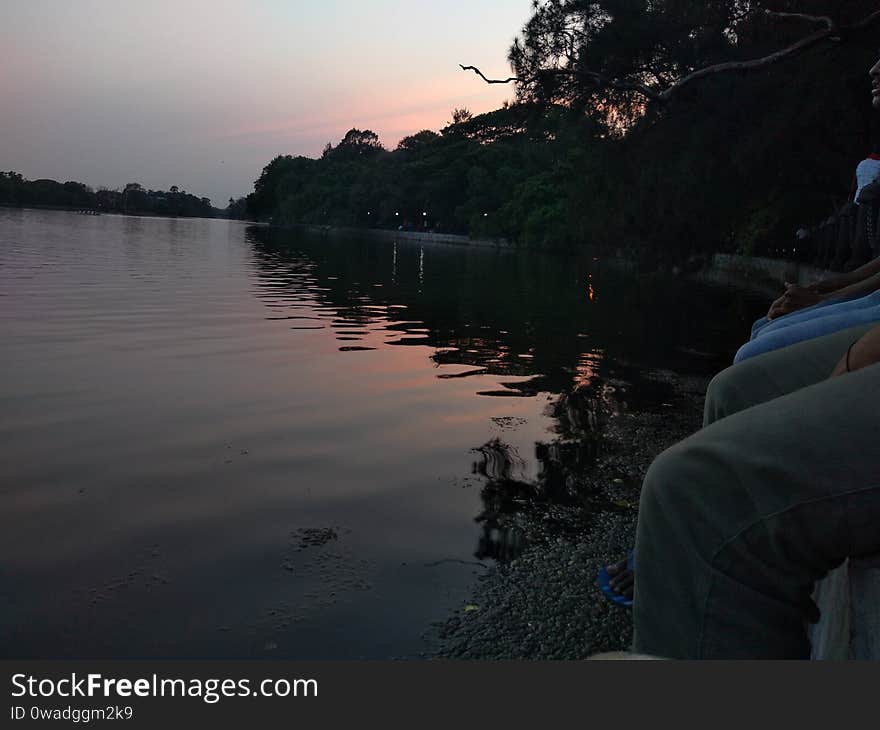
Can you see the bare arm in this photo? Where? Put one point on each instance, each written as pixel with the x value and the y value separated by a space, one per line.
pixel 842 281
pixel 864 352
pixel 861 282
pixel 860 287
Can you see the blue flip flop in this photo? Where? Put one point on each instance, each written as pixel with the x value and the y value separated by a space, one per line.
pixel 604 580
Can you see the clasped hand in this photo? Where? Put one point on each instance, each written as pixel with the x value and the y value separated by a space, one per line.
pixel 794 298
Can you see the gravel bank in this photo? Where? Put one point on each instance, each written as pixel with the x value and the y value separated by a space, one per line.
pixel 545 604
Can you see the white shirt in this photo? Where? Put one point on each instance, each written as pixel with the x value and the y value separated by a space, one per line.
pixel 867 172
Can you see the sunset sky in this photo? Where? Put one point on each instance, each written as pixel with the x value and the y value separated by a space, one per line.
pixel 203 93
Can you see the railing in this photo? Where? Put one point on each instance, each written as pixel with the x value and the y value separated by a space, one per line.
pixel 847 239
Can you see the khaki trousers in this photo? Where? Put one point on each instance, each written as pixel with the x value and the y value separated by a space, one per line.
pixel 738 521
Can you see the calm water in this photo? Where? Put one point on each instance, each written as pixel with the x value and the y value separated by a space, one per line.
pixel 220 441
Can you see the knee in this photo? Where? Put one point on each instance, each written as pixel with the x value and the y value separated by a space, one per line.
pixel 758 326
pixel 750 349
pixel 722 396
pixel 664 479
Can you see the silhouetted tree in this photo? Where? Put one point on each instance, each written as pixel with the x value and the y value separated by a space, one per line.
pixel 134 199
pixel 460 116
pixel 418 141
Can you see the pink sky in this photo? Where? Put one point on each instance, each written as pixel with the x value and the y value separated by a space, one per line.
pixel 202 94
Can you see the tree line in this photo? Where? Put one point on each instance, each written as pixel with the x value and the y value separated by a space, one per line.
pixel 592 152
pixel 133 199
pixel 496 174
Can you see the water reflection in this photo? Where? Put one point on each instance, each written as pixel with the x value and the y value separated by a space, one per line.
pixel 516 325
pixel 217 400
pixel 564 462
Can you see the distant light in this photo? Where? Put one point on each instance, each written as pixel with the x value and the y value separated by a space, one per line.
pixel 485 215
pixel 424 214
pixel 397 214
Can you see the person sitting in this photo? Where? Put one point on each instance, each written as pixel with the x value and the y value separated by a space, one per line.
pixel 826 306
pixel 738 522
pixel 867 172
pixel 840 301
pixel 769 423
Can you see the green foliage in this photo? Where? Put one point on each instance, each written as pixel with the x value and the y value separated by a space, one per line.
pixel 419 141
pixel 237 209
pixel 472 178
pixel 460 116
pixel 743 161
pixel 355 145
pixel 651 43
pixel 15 190
pixel 733 162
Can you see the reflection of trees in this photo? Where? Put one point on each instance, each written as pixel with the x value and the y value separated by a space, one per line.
pixel 563 463
pixel 514 313
pixel 485 309
pixel 501 495
pixel 550 320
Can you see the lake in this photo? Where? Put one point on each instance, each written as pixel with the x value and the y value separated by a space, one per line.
pixel 224 441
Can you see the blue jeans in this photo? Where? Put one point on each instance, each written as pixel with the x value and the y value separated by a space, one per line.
pixel 798 316
pixel 821 319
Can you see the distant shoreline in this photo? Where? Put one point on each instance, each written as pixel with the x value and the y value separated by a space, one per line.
pixel 66 208
pixel 764 275
pixel 75 209
pixel 425 236
pixel 760 274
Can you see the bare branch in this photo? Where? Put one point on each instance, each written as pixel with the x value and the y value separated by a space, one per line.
pixel 489 81
pixel 831 31
pixel 752 65
pixel 872 18
pixel 597 78
pixel 824 19
pixel 602 80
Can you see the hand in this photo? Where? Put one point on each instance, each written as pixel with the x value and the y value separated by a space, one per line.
pixel 826 286
pixel 795 297
pixel 777 309
pixel 801 296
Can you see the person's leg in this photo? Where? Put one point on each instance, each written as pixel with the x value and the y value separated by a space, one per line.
pixel 775 373
pixel 823 309
pixel 758 326
pixel 737 522
pixel 758 380
pixel 808 330
pixel 800 315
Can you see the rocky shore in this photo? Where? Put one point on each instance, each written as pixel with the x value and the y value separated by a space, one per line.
pixel 545 604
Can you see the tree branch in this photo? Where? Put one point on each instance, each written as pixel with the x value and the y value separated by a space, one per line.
pixel 490 81
pixel 824 19
pixel 830 31
pixel 595 76
pixel 604 81
pixel 872 18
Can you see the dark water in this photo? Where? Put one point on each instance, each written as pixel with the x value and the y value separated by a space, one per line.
pixel 220 441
